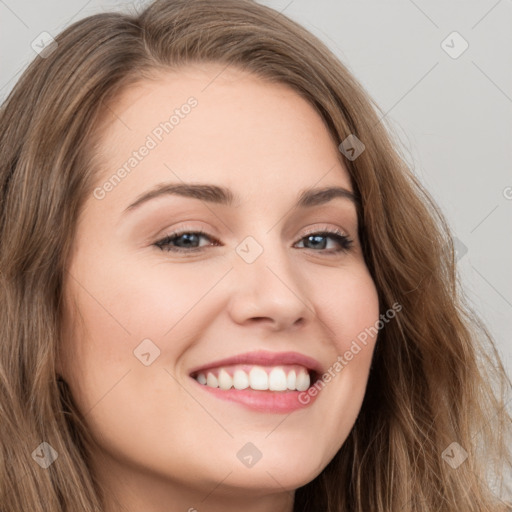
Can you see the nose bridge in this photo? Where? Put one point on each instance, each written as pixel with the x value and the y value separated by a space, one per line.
pixel 266 284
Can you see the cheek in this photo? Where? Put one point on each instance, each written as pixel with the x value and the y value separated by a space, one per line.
pixel 124 304
pixel 349 310
pixel 158 298
pixel 348 306
pixel 129 301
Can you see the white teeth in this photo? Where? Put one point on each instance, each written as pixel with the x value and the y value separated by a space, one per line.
pixel 277 380
pixel 212 381
pixel 302 381
pixel 240 380
pixel 258 378
pixel 290 380
pixel 225 380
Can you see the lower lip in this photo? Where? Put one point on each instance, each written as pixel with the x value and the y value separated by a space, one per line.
pixel 264 401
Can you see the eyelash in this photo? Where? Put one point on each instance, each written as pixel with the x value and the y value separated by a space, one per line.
pixel 165 243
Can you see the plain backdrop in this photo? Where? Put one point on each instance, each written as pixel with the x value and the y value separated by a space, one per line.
pixel 448 97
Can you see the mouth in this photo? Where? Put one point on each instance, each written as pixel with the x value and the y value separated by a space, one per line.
pixel 262 381
pixel 281 378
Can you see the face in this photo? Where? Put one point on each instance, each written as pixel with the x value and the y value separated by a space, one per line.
pixel 243 286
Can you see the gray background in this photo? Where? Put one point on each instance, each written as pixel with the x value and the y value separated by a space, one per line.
pixel 453 116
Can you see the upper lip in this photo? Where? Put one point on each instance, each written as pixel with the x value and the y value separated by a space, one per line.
pixel 264 358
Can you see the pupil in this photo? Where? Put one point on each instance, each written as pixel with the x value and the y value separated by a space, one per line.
pixel 316 238
pixel 187 238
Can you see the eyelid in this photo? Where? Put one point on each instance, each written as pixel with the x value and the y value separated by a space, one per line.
pixel 186 228
pixel 200 226
pixel 344 240
pixel 325 227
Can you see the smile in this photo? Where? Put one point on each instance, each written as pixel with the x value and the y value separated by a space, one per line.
pixel 261 381
pixel 259 378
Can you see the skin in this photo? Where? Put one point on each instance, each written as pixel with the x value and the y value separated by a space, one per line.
pixel 164 444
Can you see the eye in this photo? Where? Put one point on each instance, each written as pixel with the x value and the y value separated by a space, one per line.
pixel 319 240
pixel 187 241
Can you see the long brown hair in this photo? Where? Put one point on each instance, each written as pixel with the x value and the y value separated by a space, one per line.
pixel 436 377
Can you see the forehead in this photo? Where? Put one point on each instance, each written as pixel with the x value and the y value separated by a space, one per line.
pixel 210 123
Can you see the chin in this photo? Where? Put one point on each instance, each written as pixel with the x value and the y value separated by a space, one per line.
pixel 287 470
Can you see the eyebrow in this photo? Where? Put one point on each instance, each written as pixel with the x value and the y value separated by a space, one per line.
pixel 224 196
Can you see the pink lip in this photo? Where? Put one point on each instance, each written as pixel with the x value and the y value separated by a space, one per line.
pixel 264 358
pixel 264 401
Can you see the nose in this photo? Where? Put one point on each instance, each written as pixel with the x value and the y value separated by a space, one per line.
pixel 269 291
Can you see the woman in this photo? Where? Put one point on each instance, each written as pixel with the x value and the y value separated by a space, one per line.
pixel 314 353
